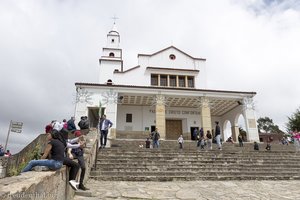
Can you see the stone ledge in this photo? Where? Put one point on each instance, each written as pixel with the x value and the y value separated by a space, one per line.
pixel 46 185
pixel 36 185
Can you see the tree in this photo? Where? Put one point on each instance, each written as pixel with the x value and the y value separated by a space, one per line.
pixel 294 121
pixel 266 125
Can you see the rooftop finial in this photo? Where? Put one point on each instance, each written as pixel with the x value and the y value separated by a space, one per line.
pixel 114 18
pixel 114 27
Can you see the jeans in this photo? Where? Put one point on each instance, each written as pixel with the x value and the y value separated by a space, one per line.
pixel 155 143
pixel 51 164
pixel 74 167
pixel 82 166
pixel 103 137
pixel 209 144
pixel 180 145
pixel 218 141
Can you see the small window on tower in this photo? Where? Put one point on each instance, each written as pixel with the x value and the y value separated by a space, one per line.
pixel 112 40
pixel 172 57
pixel 111 54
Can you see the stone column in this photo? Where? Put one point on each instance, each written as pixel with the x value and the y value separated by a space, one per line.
pixel 250 120
pixel 160 114
pixel 110 101
pixel 235 132
pixel 205 115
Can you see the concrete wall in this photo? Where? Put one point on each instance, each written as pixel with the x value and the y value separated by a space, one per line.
pixel 144 116
pixel 16 159
pixel 142 76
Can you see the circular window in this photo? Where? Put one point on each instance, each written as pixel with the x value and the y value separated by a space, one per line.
pixel 172 57
pixel 111 54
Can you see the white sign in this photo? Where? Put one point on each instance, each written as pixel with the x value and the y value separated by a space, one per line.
pixel 16 127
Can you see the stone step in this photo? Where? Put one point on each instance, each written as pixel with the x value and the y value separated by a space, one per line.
pixel 192 144
pixel 128 162
pixel 232 149
pixel 197 165
pixel 184 153
pixel 186 158
pixel 196 173
pixel 163 155
pixel 199 170
pixel 195 151
pixel 191 161
pixel 194 178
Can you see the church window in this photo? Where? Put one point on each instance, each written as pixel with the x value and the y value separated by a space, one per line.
pixel 181 80
pixel 163 80
pixel 111 54
pixel 173 81
pixel 128 118
pixel 172 57
pixel 154 79
pixel 191 81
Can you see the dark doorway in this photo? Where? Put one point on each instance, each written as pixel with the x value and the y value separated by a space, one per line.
pixel 192 132
pixel 152 128
pixel 93 116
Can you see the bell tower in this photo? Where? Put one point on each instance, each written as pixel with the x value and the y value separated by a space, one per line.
pixel 111 59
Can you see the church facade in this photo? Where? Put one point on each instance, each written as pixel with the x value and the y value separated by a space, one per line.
pixel 166 90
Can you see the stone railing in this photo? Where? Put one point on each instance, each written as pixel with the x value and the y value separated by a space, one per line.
pixel 46 185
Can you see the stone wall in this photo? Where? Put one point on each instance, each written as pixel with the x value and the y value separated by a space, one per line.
pixel 17 159
pixel 46 185
pixel 3 165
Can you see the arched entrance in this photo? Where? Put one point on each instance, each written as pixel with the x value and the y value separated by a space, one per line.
pixel 227 130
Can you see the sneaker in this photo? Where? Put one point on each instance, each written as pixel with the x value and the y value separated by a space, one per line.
pixel 82 187
pixel 73 184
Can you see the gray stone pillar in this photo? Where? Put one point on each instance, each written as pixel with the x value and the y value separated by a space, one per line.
pixel 160 114
pixel 205 115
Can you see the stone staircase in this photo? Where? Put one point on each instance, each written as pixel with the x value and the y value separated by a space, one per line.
pixel 125 161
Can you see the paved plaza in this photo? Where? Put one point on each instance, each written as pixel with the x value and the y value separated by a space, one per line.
pixel 219 190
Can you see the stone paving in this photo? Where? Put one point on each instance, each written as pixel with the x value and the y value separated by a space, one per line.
pixel 219 190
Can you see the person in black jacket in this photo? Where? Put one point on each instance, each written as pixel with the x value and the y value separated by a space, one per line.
pixel 84 125
pixel 218 135
pixel 71 125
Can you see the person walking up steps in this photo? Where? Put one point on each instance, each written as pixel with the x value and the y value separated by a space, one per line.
pixel 155 137
pixel 180 142
pixel 218 135
pixel 240 138
pixel 209 140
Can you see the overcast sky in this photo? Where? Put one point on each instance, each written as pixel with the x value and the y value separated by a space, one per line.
pixel 46 46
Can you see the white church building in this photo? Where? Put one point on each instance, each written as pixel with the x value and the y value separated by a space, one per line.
pixel 165 90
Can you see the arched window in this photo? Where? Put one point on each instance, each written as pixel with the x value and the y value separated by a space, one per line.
pixel 111 54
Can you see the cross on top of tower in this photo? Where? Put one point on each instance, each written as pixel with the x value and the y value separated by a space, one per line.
pixel 115 18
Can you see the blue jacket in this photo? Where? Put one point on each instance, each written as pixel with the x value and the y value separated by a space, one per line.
pixel 107 124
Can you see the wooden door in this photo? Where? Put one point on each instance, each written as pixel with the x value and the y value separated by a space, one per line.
pixel 173 129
